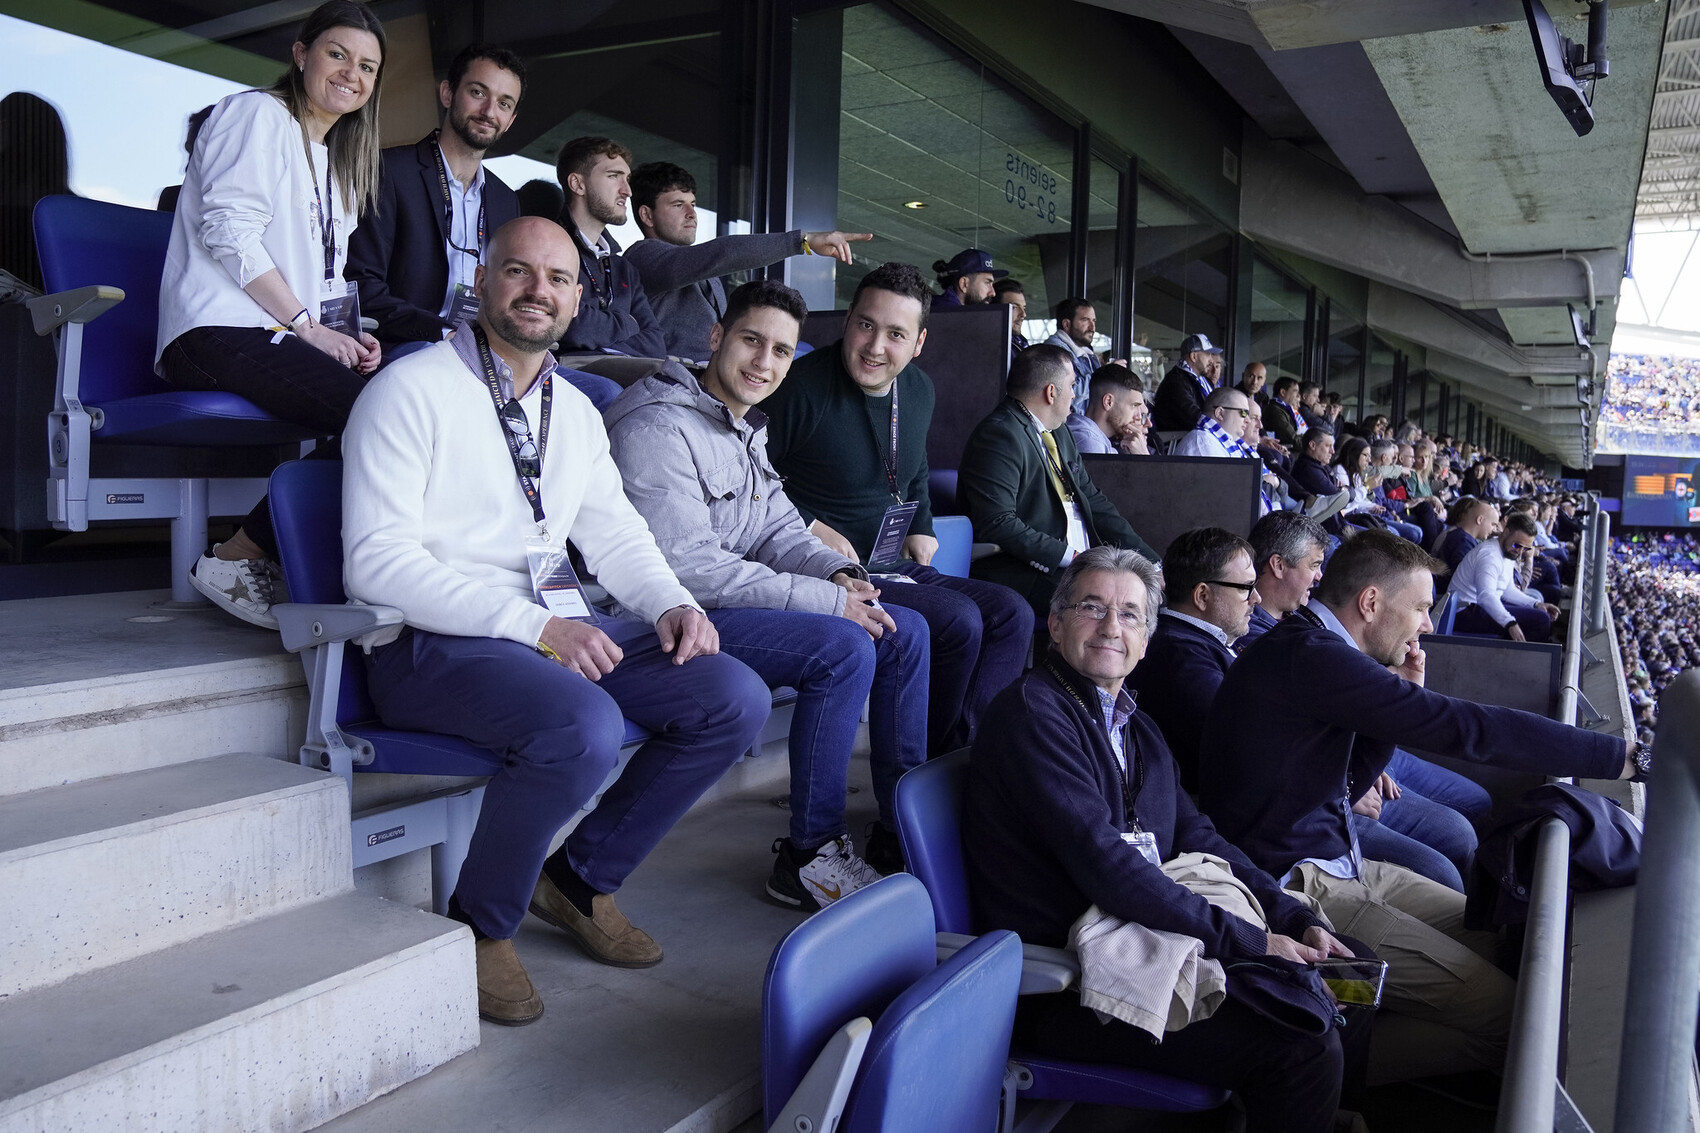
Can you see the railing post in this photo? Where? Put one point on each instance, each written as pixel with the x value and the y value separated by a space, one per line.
pixel 1656 1060
pixel 1597 584
pixel 1526 1099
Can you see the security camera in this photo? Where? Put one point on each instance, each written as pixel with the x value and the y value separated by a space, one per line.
pixel 1569 69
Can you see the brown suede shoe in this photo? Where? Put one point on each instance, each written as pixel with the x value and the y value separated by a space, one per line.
pixel 505 994
pixel 605 935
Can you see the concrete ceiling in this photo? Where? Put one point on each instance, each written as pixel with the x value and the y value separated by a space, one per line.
pixel 1438 109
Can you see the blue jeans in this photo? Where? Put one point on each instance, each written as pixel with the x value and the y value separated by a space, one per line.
pixel 1381 843
pixel 835 665
pixel 554 736
pixel 1437 784
pixel 982 633
pixel 1409 530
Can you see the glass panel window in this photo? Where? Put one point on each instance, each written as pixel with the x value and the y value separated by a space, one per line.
pixel 1278 308
pixel 935 156
pixel 1106 185
pixel 1181 276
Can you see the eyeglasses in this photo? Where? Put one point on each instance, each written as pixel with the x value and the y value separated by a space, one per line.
pixel 1097 612
pixel 514 418
pixel 1237 409
pixel 1245 587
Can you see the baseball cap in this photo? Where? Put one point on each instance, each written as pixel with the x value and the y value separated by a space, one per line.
pixel 970 261
pixel 1198 342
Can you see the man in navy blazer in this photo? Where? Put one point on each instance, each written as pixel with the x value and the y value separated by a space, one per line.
pixel 1210 589
pixel 414 253
pixel 1280 772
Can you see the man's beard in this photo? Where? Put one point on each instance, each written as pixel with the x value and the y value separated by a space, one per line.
pixel 462 128
pixel 607 212
pixel 503 323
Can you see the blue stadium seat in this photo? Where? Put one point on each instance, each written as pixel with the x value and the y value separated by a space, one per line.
pixel 102 265
pixel 929 826
pixel 1444 616
pixel 955 534
pixel 859 1018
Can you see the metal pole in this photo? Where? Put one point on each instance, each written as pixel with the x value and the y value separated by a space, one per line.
pixel 1657 1056
pixel 1597 587
pixel 1531 1066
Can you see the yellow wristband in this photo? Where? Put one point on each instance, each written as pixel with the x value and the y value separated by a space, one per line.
pixel 807 251
pixel 547 652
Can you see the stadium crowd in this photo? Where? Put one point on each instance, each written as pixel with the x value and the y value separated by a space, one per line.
pixel 1655 591
pixel 1651 404
pixel 602 485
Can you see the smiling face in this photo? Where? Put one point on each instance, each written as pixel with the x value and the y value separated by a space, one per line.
pixel 529 293
pixel 339 70
pixel 1106 651
pixel 750 358
pixel 882 335
pixel 482 108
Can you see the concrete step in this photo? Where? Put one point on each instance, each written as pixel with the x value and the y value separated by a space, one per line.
pixel 281 1024
pixel 69 731
pixel 99 872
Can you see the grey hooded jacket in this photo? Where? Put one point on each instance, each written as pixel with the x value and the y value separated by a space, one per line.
pixel 702 481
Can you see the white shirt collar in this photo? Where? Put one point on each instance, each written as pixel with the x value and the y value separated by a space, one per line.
pixel 1215 631
pixel 477 183
pixel 1333 623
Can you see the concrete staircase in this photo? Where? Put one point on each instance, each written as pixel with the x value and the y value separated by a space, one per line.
pixel 182 945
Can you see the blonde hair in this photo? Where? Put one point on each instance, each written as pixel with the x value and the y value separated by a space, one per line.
pixel 352 141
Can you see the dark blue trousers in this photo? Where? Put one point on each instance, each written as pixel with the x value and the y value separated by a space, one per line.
pixel 982 633
pixel 553 738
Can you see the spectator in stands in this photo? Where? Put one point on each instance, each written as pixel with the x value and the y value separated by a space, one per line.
pixel 1066 777
pixel 966 279
pixel 1478 478
pixel 1310 407
pixel 1279 773
pixel 1502 488
pixel 1210 589
pixel 1352 471
pixel 468 472
pixel 252 301
pixel 1424 484
pixel 1025 488
pixel 1313 477
pixel 693 458
pixel 1220 427
pixel 614 313
pixel 1288 550
pixel 421 241
pixel 1281 415
pixel 1011 292
pixel 1489 599
pixel 1384 477
pixel 168 196
pixel 1252 380
pixel 1077 326
pixel 1180 396
pixel 538 197
pixel 1565 525
pixel 683 277
pixel 1115 419
pixel 848 431
pixel 1469 522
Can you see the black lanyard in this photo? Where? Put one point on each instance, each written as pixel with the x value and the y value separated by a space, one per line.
pixel 527 484
pixel 449 203
pixel 1130 796
pixel 890 464
pixel 327 226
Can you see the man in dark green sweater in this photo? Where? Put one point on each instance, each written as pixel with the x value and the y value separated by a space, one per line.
pixel 1024 486
pixel 848 431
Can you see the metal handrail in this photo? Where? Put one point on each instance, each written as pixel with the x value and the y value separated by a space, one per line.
pixel 1597 609
pixel 1656 1058
pixel 1528 1096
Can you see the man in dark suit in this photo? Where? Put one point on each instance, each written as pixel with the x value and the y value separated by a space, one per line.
pixel 1211 588
pixel 1282 417
pixel 1024 487
pixel 1279 774
pixel 414 254
pixel 1180 398
pixel 1310 476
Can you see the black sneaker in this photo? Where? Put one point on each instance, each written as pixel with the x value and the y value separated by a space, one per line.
pixel 884 852
pixel 813 880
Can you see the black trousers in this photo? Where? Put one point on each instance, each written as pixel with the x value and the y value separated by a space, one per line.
pixel 1288 1082
pixel 287 378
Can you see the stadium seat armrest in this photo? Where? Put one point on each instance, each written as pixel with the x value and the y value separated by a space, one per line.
pixel 79 305
pixel 983 550
pixel 818 1101
pixel 1043 970
pixel 305 624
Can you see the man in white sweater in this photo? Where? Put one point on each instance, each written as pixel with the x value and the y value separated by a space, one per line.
pixel 466 466
pixel 1489 599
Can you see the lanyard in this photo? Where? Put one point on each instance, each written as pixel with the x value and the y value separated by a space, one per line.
pixel 1055 467
pixel 1130 797
pixel 327 228
pixel 448 202
pixel 527 484
pixel 891 464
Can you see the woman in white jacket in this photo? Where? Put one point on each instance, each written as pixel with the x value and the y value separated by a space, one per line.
pixel 253 300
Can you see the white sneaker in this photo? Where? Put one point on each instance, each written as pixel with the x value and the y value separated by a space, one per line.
pixel 244 588
pixel 834 872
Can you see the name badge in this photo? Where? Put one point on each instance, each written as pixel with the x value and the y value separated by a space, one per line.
pixel 340 309
pixel 1077 541
pixel 555 583
pixel 1146 843
pixel 894 527
pixel 463 305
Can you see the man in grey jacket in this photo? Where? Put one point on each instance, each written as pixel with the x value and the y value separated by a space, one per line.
pixel 693 454
pixel 682 277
